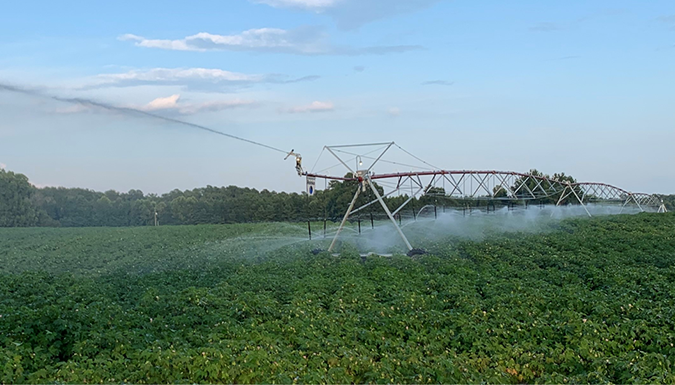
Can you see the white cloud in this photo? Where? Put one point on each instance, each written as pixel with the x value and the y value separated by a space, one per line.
pixel 174 76
pixel 275 39
pixel 301 41
pixel 312 107
pixel 194 78
pixel 350 14
pixel 394 111
pixel 3 166
pixel 213 106
pixel 172 103
pixel 316 5
pixel 162 103
pixel 178 45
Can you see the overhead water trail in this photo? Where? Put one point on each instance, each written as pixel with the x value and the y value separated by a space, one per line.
pixel 128 111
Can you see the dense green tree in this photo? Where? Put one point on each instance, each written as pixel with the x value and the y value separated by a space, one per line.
pixel 142 213
pixel 16 207
pixel 669 201
pixel 500 192
pixel 21 204
pixel 524 187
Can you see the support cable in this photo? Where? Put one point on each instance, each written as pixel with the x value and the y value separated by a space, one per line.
pixel 318 158
pixel 381 160
pixel 407 152
pixel 349 160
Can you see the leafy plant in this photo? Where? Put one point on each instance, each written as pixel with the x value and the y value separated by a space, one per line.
pixel 592 301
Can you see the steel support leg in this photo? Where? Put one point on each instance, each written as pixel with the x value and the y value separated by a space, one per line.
pixel 562 196
pixel 637 203
pixel 342 224
pixel 624 205
pixel 391 217
pixel 580 201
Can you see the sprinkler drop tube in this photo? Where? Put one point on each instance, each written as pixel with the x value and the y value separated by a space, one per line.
pixel 309 229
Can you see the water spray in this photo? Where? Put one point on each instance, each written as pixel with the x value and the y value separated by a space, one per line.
pixel 509 187
pixel 489 186
pixel 141 113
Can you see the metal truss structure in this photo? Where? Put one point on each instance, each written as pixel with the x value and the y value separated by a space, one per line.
pixel 468 185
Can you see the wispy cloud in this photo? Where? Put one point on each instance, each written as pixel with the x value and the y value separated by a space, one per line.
pixel 665 48
pixel 173 75
pixel 194 78
pixel 314 5
pixel 312 107
pixel 262 39
pixel 299 41
pixel 394 112
pixel 668 19
pixel 546 27
pixel 170 104
pixel 3 166
pixel 551 26
pixel 298 80
pixel 162 103
pixel 437 83
pixel 350 14
pixel 359 68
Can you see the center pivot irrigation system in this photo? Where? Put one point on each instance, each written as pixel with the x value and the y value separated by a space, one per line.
pixel 504 186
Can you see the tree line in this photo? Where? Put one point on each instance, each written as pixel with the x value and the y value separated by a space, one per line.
pixel 23 205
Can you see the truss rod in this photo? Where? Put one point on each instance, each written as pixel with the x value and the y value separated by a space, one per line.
pixel 362 145
pixel 515 184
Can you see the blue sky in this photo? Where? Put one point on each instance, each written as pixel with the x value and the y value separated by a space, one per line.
pixel 583 87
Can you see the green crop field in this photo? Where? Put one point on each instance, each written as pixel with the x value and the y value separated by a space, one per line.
pixel 584 300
